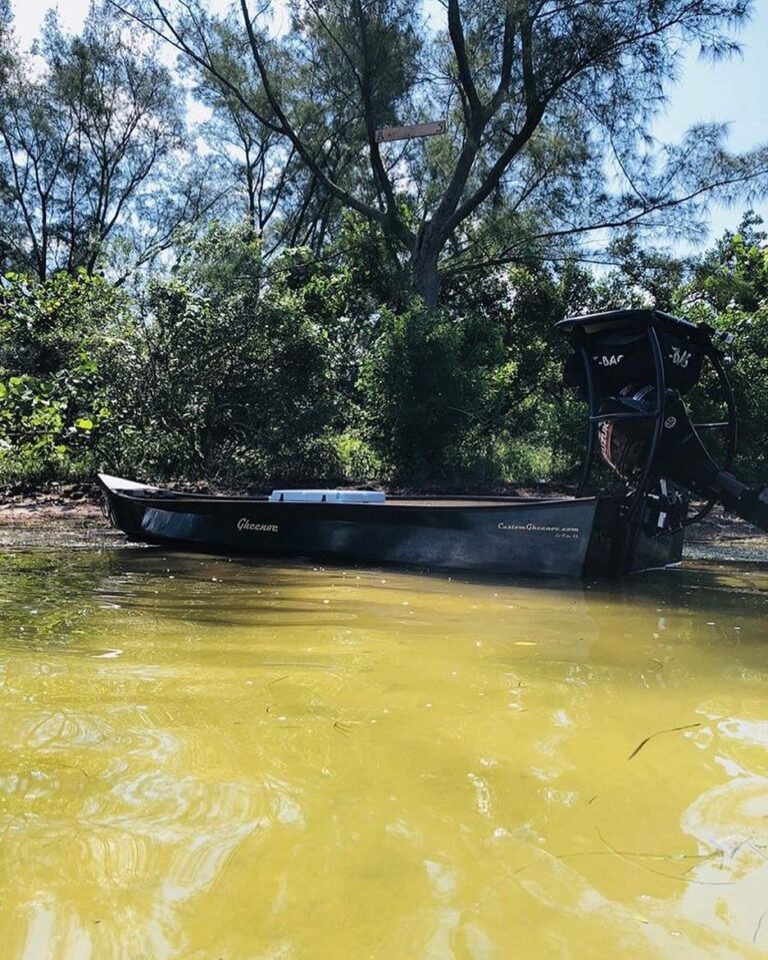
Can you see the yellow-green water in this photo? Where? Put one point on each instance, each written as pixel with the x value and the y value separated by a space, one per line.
pixel 204 759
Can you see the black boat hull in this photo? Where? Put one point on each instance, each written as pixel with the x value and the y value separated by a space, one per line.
pixel 582 537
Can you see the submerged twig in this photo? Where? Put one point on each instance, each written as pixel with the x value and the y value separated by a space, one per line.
pixel 660 873
pixel 759 924
pixel 639 747
pixel 668 857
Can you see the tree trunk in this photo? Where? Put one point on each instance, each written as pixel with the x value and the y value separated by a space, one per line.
pixel 425 277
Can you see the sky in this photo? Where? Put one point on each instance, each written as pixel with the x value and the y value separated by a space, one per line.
pixel 735 91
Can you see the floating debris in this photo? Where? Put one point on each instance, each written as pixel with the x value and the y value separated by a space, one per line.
pixel 639 747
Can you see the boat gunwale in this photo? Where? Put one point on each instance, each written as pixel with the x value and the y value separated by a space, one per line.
pixel 404 503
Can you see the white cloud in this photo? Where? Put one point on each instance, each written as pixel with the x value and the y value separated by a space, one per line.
pixel 29 16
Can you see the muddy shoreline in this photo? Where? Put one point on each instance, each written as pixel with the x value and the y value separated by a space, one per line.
pixel 53 521
pixel 74 519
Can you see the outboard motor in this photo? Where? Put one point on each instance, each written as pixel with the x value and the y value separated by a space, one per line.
pixel 634 367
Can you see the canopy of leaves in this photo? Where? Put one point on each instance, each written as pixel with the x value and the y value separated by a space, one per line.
pixel 91 127
pixel 549 109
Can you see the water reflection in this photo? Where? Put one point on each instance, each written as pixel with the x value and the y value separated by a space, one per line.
pixel 206 758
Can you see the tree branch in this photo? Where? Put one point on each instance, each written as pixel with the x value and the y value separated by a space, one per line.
pixel 373 213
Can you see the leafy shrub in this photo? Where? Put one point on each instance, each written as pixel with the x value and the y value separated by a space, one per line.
pixel 243 374
pixel 52 404
pixel 423 385
pixel 220 378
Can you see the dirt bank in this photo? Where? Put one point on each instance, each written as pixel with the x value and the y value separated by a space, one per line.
pixel 68 519
pixel 72 517
pixel 725 538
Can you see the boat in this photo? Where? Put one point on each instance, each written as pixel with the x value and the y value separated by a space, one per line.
pixel 633 368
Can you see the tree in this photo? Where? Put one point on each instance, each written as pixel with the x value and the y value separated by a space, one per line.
pixel 269 187
pixel 251 159
pixel 728 288
pixel 7 43
pixel 549 107
pixel 89 130
pixel 184 402
pixel 52 400
pixel 733 275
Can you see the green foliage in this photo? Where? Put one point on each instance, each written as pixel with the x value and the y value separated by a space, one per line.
pixel 451 395
pixel 734 275
pixel 522 168
pixel 220 379
pixel 243 373
pixel 419 396
pixel 47 327
pixel 91 132
pixel 357 460
pixel 728 288
pixel 53 405
pixel 749 371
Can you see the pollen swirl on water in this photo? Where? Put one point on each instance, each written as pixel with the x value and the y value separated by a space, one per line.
pixel 210 758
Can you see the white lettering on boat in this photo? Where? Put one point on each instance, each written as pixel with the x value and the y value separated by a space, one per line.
pixel 680 357
pixel 613 361
pixel 565 533
pixel 245 524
